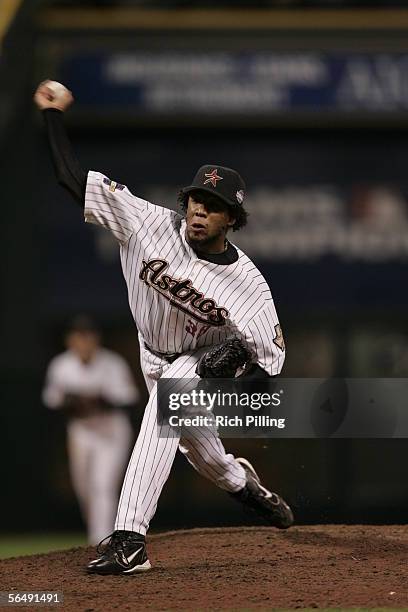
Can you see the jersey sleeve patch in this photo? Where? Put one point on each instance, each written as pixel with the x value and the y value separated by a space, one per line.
pixel 113 185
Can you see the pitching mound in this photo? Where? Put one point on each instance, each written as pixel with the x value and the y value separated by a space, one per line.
pixel 248 567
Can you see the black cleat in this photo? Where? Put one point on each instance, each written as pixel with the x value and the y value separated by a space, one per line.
pixel 125 553
pixel 269 506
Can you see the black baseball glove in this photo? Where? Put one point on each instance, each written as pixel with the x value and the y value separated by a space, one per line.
pixel 223 360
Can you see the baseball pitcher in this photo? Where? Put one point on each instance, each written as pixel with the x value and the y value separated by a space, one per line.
pixel 201 308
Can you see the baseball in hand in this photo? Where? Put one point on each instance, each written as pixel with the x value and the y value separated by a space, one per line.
pixel 51 94
pixel 58 89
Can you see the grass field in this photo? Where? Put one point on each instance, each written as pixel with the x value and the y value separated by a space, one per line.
pixel 16 545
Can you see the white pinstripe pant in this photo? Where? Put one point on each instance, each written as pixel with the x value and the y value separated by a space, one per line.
pixel 153 456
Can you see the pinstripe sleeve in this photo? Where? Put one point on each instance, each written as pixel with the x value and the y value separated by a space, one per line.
pixel 113 206
pixel 264 338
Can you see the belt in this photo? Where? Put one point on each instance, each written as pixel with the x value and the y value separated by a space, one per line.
pixel 170 357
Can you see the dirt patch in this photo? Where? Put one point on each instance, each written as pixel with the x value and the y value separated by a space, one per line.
pixel 249 567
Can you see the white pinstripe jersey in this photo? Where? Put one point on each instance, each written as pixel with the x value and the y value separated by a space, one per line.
pixel 179 301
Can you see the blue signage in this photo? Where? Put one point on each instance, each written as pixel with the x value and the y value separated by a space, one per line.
pixel 228 83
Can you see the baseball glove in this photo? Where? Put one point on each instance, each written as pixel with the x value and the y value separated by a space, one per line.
pixel 223 360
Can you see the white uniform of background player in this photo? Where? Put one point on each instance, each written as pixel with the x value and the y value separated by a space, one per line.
pixel 99 433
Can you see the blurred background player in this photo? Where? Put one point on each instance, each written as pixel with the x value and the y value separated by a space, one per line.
pixel 92 385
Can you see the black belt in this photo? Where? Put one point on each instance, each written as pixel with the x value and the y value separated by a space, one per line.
pixel 170 357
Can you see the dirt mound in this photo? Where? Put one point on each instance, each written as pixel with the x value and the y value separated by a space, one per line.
pixel 248 567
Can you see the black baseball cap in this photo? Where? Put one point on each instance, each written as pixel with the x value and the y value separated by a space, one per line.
pixel 222 182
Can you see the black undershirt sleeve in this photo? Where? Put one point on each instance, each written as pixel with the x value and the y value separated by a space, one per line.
pixel 67 168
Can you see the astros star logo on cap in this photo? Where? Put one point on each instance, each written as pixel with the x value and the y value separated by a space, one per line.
pixel 212 177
